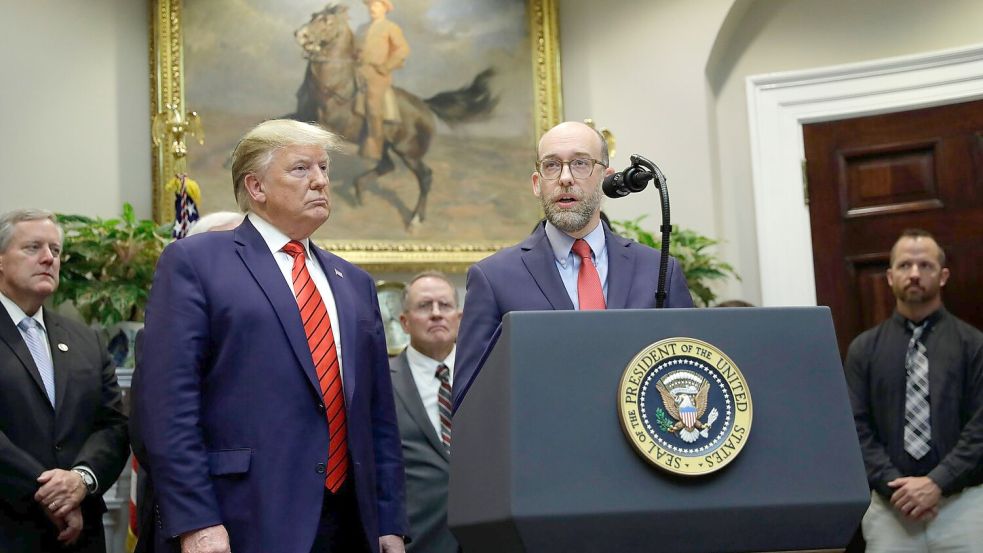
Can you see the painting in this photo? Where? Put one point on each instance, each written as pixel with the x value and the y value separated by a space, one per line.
pixel 438 102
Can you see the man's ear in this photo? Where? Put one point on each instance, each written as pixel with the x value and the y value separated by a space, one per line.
pixel 404 322
pixel 609 171
pixel 535 184
pixel 890 277
pixel 943 277
pixel 255 188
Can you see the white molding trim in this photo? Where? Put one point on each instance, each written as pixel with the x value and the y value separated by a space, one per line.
pixel 780 103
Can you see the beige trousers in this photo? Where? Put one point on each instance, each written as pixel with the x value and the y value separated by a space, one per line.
pixel 957 528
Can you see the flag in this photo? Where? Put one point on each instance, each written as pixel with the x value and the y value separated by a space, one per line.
pixel 187 196
pixel 132 531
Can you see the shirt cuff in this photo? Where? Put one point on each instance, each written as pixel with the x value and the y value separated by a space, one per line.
pixel 87 470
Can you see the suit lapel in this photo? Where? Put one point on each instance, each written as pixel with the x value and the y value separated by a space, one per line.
pixel 621 267
pixel 405 387
pixel 537 255
pixel 255 254
pixel 11 336
pixel 59 359
pixel 344 300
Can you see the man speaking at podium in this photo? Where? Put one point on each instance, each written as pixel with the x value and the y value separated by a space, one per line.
pixel 573 261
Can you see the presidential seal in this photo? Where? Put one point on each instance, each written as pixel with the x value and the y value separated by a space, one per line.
pixel 685 406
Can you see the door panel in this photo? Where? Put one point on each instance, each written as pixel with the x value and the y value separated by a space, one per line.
pixel 872 177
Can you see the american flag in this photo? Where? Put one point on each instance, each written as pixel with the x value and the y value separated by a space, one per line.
pixel 186 198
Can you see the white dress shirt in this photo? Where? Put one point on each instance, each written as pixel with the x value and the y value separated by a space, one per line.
pixel 276 240
pixel 424 370
pixel 17 315
pixel 568 263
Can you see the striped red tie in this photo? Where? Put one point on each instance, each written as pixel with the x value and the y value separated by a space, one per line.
pixel 320 338
pixel 589 292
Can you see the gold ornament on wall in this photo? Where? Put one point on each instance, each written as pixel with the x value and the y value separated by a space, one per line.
pixel 170 130
pixel 606 134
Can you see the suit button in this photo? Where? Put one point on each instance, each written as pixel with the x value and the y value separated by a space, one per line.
pixel 320 408
pixel 320 468
pixel 57 447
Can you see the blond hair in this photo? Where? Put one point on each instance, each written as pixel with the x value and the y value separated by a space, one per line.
pixel 255 151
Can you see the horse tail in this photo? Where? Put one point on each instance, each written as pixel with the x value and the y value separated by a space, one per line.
pixel 466 104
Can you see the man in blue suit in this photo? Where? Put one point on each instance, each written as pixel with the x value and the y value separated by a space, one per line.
pixel 263 406
pixel 545 271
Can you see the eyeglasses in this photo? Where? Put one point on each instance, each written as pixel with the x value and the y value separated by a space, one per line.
pixel 580 168
pixel 426 307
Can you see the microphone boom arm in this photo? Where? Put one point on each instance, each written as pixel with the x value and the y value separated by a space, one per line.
pixel 635 179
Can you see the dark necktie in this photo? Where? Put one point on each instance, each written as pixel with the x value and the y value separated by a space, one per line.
pixel 320 339
pixel 589 292
pixel 444 403
pixel 917 412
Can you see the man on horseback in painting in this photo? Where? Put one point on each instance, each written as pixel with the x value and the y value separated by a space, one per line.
pixel 330 97
pixel 382 49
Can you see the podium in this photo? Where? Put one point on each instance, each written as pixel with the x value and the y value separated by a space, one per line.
pixel 540 462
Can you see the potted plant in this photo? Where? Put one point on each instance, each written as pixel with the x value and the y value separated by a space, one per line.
pixel 107 266
pixel 690 249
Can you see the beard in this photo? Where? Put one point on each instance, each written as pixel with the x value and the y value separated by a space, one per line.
pixel 916 294
pixel 572 220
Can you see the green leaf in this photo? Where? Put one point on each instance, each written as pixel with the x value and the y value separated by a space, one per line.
pixel 108 264
pixel 690 248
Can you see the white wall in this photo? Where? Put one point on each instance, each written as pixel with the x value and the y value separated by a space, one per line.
pixel 775 36
pixel 667 76
pixel 636 67
pixel 74 106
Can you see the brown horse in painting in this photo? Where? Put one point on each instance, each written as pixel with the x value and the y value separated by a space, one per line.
pixel 328 96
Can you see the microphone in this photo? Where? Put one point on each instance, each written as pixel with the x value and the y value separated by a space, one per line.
pixel 633 179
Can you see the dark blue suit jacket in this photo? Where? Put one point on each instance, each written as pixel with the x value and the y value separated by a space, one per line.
pixel 524 278
pixel 227 406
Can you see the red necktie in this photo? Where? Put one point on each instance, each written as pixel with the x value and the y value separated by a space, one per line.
pixel 589 291
pixel 320 339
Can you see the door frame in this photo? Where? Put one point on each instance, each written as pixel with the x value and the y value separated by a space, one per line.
pixel 780 103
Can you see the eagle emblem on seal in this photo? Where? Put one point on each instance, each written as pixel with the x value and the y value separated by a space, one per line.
pixel 684 396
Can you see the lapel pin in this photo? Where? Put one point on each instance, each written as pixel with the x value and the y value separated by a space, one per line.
pixel 62 347
pixel 337 272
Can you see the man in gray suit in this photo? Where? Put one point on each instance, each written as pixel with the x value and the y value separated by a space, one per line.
pixel 422 384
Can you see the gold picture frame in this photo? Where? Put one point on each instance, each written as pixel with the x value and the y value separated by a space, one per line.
pixel 168 97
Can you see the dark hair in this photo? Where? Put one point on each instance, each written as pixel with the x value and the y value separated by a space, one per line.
pixel 917 233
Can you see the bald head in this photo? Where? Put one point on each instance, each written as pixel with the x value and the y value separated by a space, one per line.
pixel 577 131
pixel 571 203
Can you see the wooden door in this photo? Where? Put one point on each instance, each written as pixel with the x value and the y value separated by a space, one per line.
pixel 869 178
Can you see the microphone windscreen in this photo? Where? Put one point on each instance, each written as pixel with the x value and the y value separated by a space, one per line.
pixel 614 186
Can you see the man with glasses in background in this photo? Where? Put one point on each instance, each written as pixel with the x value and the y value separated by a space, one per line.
pixel 572 261
pixel 422 376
